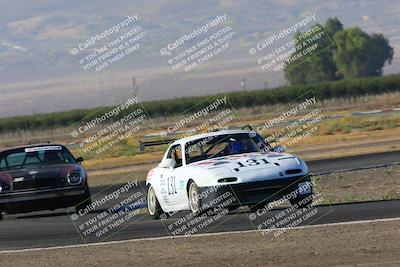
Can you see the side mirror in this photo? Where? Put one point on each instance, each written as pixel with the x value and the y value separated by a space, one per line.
pixel 279 149
pixel 167 163
pixel 80 159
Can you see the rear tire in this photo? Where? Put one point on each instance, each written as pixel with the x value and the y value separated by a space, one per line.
pixel 153 206
pixel 232 208
pixel 256 207
pixel 1 215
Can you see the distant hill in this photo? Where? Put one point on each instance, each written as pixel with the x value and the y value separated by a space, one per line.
pixel 36 39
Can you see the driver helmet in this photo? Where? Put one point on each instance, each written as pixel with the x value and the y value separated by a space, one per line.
pixel 237 146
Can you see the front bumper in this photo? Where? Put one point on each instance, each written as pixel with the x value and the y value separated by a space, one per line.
pixel 42 199
pixel 254 192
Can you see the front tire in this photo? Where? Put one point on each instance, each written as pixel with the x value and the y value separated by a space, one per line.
pixel 255 207
pixel 153 206
pixel 87 201
pixel 194 199
pixel 233 207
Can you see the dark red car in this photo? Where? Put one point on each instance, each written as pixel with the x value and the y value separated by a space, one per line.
pixel 41 177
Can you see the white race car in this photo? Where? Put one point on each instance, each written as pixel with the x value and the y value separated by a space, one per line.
pixel 198 170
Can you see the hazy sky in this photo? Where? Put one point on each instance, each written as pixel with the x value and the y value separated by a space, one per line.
pixel 37 41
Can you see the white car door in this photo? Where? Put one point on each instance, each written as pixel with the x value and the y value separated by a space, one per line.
pixel 174 185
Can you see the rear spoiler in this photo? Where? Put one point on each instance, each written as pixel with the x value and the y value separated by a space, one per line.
pixel 244 127
pixel 143 144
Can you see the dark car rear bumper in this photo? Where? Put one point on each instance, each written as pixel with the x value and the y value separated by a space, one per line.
pixel 254 192
pixel 42 199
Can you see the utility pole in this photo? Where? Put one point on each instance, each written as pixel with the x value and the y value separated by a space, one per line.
pixel 135 87
pixel 265 84
pixel 243 83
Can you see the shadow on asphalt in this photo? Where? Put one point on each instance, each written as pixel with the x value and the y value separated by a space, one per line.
pixel 49 214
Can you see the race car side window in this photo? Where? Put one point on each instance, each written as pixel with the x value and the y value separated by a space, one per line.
pixel 3 164
pixel 175 153
pixel 16 159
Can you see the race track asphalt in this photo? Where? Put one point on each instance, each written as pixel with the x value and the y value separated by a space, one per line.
pixel 55 228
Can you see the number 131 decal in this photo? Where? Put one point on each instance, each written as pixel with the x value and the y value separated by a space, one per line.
pixel 171 181
pixel 252 162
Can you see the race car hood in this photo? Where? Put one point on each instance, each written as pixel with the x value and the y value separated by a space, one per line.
pixel 39 172
pixel 258 166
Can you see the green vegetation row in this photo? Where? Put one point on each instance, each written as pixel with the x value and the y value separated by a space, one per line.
pixel 281 95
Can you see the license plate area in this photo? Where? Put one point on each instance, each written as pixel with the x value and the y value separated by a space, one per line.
pixel 305 188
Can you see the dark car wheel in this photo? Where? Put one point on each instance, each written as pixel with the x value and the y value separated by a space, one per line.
pixel 87 201
pixel 256 207
pixel 233 207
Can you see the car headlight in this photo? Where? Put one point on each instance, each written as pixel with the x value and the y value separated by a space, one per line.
pixel 227 180
pixel 4 187
pixel 74 178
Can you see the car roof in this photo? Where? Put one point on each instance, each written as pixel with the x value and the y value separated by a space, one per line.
pixel 208 134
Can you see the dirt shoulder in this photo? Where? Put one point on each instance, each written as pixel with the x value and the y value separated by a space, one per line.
pixel 367 244
pixel 362 185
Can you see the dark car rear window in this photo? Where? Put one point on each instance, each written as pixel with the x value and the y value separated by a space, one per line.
pixel 41 155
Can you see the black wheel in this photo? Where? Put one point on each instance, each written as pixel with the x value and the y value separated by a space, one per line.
pixel 1 215
pixel 194 199
pixel 233 207
pixel 256 207
pixel 153 206
pixel 302 202
pixel 87 201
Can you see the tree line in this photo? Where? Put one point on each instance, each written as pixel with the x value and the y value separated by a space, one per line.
pixel 342 54
pixel 343 88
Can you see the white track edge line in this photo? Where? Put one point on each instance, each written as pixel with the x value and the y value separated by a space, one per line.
pixel 197 235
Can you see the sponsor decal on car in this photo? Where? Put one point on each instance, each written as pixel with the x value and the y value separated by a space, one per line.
pixel 42 148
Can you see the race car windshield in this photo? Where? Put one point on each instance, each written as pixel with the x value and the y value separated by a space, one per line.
pixel 36 156
pixel 219 146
